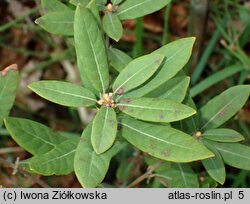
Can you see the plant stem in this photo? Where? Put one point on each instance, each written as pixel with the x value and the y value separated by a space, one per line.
pixel 10 150
pixel 165 36
pixel 146 175
pixel 198 19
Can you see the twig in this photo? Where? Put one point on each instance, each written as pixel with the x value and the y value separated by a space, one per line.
pixel 11 150
pixel 146 175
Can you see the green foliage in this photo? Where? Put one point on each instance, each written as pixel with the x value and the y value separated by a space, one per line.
pixel 136 8
pixel 32 136
pixel 90 48
pixel 174 89
pixel 234 154
pixel 223 135
pixel 144 103
pixel 118 59
pixel 112 26
pixel 176 54
pixel 58 22
pixel 156 110
pixel 221 108
pixel 104 130
pixel 64 93
pixel 163 142
pixel 91 168
pixel 132 75
pixel 9 79
pixel 54 5
pixel 215 166
pixel 58 161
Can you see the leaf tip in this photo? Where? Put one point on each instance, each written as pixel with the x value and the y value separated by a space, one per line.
pixel 37 21
pixel 193 38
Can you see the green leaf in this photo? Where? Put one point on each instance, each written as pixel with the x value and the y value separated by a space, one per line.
pixel 118 59
pixel 177 54
pixel 223 135
pixel 175 89
pixel 217 77
pixel 221 108
pixel 125 170
pixel 137 72
pixel 155 110
pixel 192 124
pixel 93 8
pixel 104 130
pixel 90 49
pixel 163 142
pixel 115 2
pixel 112 26
pixel 91 168
pixel 59 22
pixel 63 93
pixel 234 154
pixel 32 136
pixel 58 161
pixel 182 176
pixel 83 2
pixel 9 79
pixel 177 175
pixel 131 9
pixel 25 165
pixel 215 165
pixel 54 5
pixel 99 3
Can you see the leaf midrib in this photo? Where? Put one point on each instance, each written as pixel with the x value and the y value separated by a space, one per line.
pixel 151 107
pixel 112 24
pixel 220 110
pixel 64 155
pixel 182 174
pixel 134 6
pixel 104 128
pixel 132 76
pixel 36 136
pixel 151 136
pixel 93 51
pixel 233 153
pixel 66 93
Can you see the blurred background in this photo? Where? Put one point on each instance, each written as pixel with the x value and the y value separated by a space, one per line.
pixel 220 59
